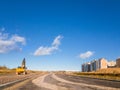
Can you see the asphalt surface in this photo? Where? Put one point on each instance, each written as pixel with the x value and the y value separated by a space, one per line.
pixel 53 81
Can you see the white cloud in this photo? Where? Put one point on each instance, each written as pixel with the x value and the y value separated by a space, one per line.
pixel 10 43
pixel 19 39
pixel 56 41
pixel 86 54
pixel 49 50
pixel 44 51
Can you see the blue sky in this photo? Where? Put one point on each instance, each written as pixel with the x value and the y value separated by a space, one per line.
pixel 58 34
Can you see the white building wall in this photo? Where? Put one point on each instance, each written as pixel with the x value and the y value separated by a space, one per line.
pixel 111 63
pixel 103 63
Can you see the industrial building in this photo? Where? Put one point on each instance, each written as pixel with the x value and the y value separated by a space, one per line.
pixel 111 64
pixel 86 67
pixel 118 62
pixel 101 63
pixel 93 65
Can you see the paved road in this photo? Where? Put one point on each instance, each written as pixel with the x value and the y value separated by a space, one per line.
pixel 53 81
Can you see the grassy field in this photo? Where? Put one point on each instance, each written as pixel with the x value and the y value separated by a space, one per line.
pixel 5 70
pixel 110 70
pixel 110 74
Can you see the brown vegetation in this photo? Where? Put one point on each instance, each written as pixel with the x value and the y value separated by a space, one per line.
pixel 6 70
pixel 110 73
pixel 110 70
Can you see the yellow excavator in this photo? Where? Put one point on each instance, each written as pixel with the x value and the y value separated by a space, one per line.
pixel 21 69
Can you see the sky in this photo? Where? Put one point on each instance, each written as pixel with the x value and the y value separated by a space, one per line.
pixel 58 34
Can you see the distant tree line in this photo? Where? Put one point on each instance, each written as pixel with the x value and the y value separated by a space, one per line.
pixel 4 67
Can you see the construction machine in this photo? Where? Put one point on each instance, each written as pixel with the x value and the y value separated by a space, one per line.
pixel 21 69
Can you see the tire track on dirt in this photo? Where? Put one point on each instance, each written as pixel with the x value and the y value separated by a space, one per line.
pixel 82 84
pixel 40 82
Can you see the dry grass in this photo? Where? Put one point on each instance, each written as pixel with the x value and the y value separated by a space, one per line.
pixel 110 70
pixel 6 71
pixel 110 74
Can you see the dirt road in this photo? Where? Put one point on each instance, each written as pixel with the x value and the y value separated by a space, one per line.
pixel 52 81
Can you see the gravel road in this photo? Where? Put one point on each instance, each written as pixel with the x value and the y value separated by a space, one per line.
pixel 78 79
pixel 52 81
pixel 68 82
